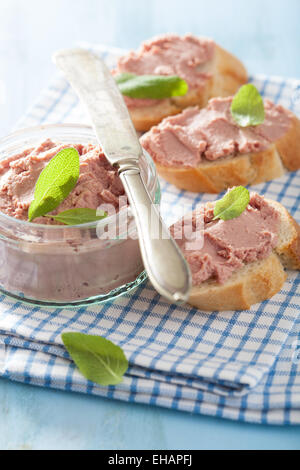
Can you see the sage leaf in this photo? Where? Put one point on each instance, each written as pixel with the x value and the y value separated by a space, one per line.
pixel 78 216
pixel 55 183
pixel 151 86
pixel 97 358
pixel 233 204
pixel 247 108
pixel 123 77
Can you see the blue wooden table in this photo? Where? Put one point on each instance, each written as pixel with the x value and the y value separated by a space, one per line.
pixel 266 34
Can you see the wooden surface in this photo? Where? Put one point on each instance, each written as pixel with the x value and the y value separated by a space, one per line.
pixel 266 35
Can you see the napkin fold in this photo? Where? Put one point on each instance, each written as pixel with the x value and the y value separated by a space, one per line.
pixel 237 365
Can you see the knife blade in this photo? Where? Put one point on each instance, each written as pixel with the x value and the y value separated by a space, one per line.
pixel 98 91
pixel 92 81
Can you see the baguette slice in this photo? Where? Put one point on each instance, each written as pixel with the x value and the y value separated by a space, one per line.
pixel 288 247
pixel 228 75
pixel 257 281
pixel 216 176
pixel 253 283
pixel 248 169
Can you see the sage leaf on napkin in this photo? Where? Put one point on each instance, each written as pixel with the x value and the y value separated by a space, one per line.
pixel 247 108
pixel 79 216
pixel 55 183
pixel 233 204
pixel 97 358
pixel 151 86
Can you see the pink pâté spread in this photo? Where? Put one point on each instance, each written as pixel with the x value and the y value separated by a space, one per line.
pixel 193 136
pixel 98 181
pixel 187 56
pixel 228 245
pixel 63 263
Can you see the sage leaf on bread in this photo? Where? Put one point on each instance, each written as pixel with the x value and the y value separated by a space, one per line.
pixel 78 216
pixel 123 77
pixel 247 108
pixel 97 358
pixel 233 204
pixel 55 183
pixel 151 86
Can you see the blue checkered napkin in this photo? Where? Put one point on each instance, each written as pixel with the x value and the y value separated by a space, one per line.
pixel 238 365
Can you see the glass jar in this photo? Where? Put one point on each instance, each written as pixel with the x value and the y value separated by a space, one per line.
pixel 68 266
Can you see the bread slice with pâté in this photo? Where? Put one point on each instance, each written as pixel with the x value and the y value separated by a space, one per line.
pixel 208 69
pixel 250 274
pixel 207 151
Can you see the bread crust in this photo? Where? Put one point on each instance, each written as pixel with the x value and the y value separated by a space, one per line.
pixel 289 145
pixel 257 281
pixel 250 285
pixel 253 168
pixel 216 176
pixel 144 118
pixel 288 247
pixel 228 74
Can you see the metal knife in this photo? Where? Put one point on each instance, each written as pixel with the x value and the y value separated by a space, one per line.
pixel 98 91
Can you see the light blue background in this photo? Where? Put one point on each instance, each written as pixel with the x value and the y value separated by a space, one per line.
pixel 266 35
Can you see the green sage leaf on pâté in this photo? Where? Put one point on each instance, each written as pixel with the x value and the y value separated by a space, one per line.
pixel 247 108
pixel 55 183
pixel 79 216
pixel 151 86
pixel 233 204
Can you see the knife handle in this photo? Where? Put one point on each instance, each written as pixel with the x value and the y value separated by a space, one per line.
pixel 166 267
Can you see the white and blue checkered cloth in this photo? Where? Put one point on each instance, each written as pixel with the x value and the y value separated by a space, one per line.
pixel 238 365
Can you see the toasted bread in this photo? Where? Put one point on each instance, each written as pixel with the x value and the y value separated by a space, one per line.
pixel 253 283
pixel 288 247
pixel 256 281
pixel 289 146
pixel 248 169
pixel 228 74
pixel 216 176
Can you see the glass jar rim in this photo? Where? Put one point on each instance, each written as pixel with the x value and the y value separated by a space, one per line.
pixel 6 219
